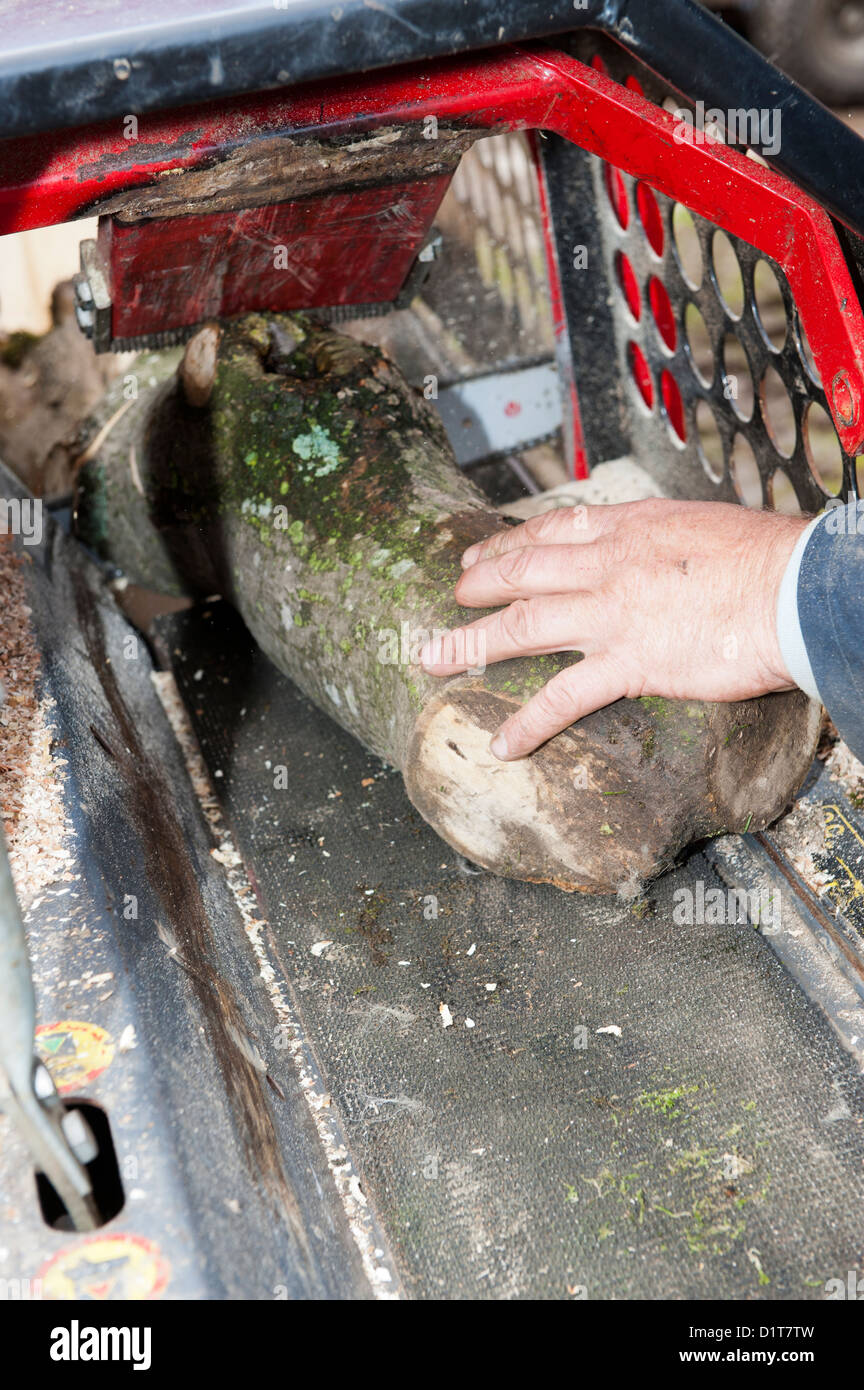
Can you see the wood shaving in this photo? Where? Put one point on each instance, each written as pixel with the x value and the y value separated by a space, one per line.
pixel 34 817
pixel 801 832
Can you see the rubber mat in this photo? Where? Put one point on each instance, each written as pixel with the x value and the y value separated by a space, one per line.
pixel 547 1096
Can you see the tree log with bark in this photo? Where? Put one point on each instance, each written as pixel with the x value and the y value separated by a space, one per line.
pixel 294 471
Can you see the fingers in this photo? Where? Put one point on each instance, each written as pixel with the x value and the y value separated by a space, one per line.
pixel 564 526
pixel 579 690
pixel 529 627
pixel 544 569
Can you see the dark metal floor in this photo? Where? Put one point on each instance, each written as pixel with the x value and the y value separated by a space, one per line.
pixel 712 1148
pixel 617 1107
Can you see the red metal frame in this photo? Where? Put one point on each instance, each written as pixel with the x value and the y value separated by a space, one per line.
pixel 68 174
pixel 335 249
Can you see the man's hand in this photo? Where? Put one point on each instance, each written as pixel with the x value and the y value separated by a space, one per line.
pixel 676 599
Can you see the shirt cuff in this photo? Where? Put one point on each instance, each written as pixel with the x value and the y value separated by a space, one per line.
pixel 789 634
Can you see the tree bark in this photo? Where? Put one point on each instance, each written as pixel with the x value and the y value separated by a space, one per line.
pixel 313 488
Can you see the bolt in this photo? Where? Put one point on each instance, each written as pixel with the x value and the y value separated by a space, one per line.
pixel 86 320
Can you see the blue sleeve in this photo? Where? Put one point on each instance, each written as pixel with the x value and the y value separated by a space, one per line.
pixel 831 614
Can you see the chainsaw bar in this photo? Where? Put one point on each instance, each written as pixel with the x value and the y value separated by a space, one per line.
pixel 174 337
pixel 501 412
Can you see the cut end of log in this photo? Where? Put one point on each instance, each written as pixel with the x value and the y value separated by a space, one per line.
pixel 612 802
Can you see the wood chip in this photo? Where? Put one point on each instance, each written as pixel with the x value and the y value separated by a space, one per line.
pixel 34 817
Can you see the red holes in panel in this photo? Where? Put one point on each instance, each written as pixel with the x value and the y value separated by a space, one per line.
pixel 629 285
pixel 641 374
pixel 617 195
pixel 649 214
pixel 674 406
pixel 664 314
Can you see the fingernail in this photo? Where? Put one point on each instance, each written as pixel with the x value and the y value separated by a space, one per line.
pixel 498 747
pixel 470 556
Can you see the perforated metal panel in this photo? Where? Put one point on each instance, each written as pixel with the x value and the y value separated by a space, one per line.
pixel 493 290
pixel 706 365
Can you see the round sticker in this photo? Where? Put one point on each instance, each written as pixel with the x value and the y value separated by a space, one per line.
pixel 74 1053
pixel 105 1269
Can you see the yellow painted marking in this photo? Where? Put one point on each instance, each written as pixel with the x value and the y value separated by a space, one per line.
pixel 105 1269
pixel 74 1052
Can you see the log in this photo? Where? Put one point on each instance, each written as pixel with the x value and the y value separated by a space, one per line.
pixel 48 387
pixel 294 471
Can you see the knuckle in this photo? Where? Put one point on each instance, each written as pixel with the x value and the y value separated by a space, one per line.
pixel 540 528
pixel 519 622
pixel 513 567
pixel 554 701
pixel 621 546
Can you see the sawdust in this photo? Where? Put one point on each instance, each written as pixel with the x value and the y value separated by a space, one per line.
pixel 842 766
pixel 620 480
pixel 801 832
pixel 34 818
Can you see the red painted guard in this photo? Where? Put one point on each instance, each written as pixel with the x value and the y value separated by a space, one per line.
pixel 340 248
